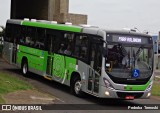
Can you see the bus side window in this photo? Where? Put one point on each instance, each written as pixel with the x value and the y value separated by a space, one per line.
pixel 81 47
pixel 9 33
pixel 12 33
pixel 17 33
pixel 40 37
pixel 66 44
pixel 30 36
pixel 22 35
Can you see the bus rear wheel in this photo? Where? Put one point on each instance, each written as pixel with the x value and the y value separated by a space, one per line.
pixel 25 68
pixel 76 87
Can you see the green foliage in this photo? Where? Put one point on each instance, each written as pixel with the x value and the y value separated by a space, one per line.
pixel 156 88
pixel 2 33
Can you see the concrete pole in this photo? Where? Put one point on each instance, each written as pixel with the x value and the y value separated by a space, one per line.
pixel 51 9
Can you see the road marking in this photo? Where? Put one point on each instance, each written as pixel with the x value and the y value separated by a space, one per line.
pixel 40 98
pixel 47 99
pixel 60 100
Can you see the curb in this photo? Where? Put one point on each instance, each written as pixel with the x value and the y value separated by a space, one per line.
pixel 157 71
pixel 155 97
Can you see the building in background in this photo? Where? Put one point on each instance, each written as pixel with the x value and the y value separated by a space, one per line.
pixel 53 10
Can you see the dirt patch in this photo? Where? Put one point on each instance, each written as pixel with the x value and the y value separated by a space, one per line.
pixel 28 97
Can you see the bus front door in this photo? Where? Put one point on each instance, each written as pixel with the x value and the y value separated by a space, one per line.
pixel 93 81
pixel 94 69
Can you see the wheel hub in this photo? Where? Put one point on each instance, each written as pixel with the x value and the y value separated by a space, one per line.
pixel 25 69
pixel 77 87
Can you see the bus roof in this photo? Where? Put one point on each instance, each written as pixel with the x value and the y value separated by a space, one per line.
pixel 72 28
pixel 46 25
pixel 127 32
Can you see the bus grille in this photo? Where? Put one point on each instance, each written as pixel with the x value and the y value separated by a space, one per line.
pixel 123 94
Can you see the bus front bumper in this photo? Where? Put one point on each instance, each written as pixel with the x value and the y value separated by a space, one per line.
pixel 113 93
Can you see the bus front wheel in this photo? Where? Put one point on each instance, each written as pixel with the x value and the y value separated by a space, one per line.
pixel 76 87
pixel 25 67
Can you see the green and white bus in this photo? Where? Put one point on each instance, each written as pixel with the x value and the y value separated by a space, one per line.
pixel 103 63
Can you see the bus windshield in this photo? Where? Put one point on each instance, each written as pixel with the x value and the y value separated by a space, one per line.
pixel 123 59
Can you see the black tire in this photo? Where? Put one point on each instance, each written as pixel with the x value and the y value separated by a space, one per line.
pixel 76 87
pixel 24 68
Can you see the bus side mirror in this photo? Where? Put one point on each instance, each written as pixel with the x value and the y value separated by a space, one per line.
pixel 104 51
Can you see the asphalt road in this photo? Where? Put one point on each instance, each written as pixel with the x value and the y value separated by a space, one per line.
pixel 78 105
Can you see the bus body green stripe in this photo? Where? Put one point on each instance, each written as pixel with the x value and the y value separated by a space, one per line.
pixel 52 26
pixel 63 65
pixel 36 58
pixel 138 87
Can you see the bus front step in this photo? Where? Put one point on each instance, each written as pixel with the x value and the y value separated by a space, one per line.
pixel 48 78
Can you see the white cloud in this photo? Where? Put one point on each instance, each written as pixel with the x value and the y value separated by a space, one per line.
pixel 118 14
pixel 4 11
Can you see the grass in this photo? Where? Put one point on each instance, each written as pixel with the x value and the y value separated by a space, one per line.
pixel 156 88
pixel 10 84
pixel 1 100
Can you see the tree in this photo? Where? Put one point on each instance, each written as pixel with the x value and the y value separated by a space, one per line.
pixel 1 31
pixel 1 38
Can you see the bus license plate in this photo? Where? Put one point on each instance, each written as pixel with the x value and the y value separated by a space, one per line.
pixel 129 97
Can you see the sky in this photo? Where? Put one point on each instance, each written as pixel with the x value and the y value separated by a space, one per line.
pixel 119 14
pixel 4 11
pixel 110 14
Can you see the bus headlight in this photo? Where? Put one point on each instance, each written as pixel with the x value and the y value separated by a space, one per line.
pixel 149 94
pixel 107 93
pixel 107 83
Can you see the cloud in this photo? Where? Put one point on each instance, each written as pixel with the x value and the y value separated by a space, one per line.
pixel 4 11
pixel 118 14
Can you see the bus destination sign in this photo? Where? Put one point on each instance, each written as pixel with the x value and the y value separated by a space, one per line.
pixel 129 39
